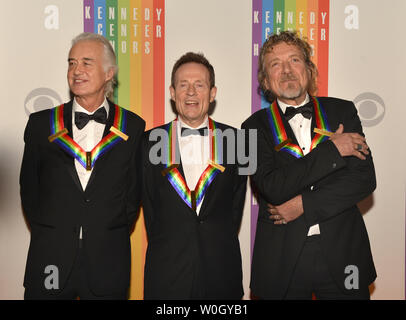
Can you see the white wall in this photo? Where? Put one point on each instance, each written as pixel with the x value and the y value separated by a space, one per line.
pixel 370 59
pixel 31 57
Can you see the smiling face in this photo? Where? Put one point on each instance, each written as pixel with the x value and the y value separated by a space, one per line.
pixel 287 74
pixel 86 75
pixel 192 93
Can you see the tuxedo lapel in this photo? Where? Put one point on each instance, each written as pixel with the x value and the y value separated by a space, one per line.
pixel 210 194
pixel 101 161
pixel 313 125
pixel 110 118
pixel 289 132
pixel 208 198
pixel 69 160
pixel 178 184
pixel 104 147
pixel 180 168
pixel 67 117
pixel 174 189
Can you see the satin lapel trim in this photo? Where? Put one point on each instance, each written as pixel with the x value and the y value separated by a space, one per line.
pixel 70 163
pixel 99 163
pixel 176 176
pixel 208 196
pixel 288 130
pixel 277 122
pixel 170 186
pixel 313 125
pixel 110 118
pixel 180 169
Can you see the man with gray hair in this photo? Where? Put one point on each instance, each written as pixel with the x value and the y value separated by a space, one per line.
pixel 80 184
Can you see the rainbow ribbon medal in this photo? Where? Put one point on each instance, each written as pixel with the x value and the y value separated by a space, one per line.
pixel 192 197
pixel 282 142
pixel 87 159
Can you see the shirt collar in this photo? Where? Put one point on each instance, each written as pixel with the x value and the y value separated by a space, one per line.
pixel 283 105
pixel 76 107
pixel 181 125
pixel 205 123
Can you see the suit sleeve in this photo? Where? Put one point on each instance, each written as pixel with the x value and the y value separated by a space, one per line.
pixel 278 182
pixel 135 177
pixel 147 186
pixel 29 179
pixel 345 188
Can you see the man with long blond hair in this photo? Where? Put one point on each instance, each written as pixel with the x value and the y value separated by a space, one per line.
pixel 314 166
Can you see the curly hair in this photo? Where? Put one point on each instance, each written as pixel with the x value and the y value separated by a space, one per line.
pixel 292 38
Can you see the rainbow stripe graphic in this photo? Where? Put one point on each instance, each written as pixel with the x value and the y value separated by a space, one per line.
pixel 309 17
pixel 279 133
pixel 71 147
pixel 321 123
pixel 136 29
pixel 192 198
pixel 57 123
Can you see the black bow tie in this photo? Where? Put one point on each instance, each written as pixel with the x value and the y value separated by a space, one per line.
pixel 305 110
pixel 81 118
pixel 188 132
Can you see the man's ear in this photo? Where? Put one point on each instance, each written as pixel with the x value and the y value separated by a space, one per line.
pixel 266 83
pixel 213 92
pixel 310 72
pixel 109 74
pixel 172 92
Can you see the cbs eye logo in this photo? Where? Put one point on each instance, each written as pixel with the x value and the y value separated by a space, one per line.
pixel 371 108
pixel 41 99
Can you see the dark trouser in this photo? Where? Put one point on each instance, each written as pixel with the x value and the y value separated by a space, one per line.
pixel 76 286
pixel 312 276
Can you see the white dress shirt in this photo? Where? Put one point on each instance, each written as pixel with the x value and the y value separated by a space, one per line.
pixel 195 152
pixel 88 137
pixel 301 127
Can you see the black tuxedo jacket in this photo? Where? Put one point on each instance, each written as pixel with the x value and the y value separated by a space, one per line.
pixel 330 186
pixel 56 206
pixel 192 256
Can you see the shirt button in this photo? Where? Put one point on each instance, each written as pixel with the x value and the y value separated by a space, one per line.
pixel 87 200
pixel 334 165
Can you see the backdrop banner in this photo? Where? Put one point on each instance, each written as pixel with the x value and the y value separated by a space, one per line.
pixel 358 49
pixel 136 30
pixel 308 17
